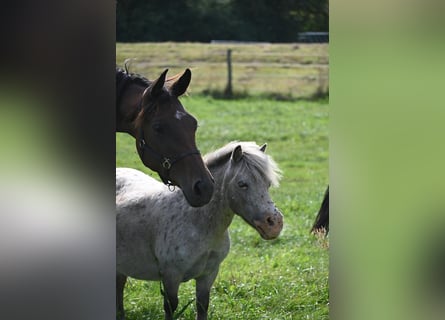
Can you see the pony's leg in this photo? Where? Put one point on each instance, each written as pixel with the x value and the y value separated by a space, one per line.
pixel 203 286
pixel 120 284
pixel 171 287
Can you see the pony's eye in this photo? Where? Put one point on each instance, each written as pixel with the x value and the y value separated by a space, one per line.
pixel 242 185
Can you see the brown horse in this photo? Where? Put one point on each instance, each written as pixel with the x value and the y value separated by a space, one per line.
pixel 164 131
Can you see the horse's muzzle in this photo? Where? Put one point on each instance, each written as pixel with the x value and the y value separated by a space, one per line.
pixel 200 193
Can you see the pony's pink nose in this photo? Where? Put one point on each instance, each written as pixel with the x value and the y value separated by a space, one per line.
pixel 270 221
pixel 270 225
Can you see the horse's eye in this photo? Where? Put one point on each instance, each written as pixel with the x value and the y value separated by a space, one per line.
pixel 242 185
pixel 157 128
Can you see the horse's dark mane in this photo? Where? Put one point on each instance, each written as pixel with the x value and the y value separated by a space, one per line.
pixel 133 77
pixel 124 78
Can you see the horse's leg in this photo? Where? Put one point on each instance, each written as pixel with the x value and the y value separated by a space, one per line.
pixel 120 284
pixel 203 286
pixel 171 287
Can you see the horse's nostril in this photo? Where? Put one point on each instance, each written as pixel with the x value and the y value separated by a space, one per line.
pixel 270 221
pixel 197 188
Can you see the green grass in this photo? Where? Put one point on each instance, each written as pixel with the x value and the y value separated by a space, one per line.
pixel 286 278
pixel 284 70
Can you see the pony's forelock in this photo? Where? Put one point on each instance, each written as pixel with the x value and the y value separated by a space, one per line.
pixel 263 164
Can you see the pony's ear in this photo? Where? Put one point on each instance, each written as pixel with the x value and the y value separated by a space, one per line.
pixel 180 86
pixel 237 154
pixel 263 147
pixel 155 89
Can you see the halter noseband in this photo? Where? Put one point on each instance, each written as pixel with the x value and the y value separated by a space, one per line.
pixel 166 162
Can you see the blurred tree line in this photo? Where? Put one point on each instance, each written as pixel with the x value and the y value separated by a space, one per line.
pixel 205 20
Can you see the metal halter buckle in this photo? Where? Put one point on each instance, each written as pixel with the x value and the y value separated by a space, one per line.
pixel 166 164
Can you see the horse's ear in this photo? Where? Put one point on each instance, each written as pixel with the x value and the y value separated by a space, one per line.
pixel 155 88
pixel 180 86
pixel 237 154
pixel 263 147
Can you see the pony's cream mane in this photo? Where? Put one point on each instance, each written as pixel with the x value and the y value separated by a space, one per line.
pixel 253 158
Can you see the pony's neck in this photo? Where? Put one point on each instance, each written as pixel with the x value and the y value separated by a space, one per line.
pixel 221 215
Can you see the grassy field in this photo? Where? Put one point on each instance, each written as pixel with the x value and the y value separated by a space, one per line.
pixel 286 278
pixel 279 70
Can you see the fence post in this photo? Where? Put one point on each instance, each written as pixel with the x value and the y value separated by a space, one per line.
pixel 228 91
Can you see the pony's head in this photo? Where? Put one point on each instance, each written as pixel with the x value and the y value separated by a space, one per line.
pixel 249 176
pixel 165 139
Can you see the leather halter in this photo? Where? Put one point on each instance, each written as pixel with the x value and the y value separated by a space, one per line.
pixel 166 161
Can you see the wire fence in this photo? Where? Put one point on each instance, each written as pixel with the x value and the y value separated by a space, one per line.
pixel 283 71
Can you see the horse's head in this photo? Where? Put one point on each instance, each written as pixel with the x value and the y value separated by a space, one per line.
pixel 248 193
pixel 165 139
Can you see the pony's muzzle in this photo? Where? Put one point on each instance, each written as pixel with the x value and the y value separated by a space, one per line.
pixel 270 226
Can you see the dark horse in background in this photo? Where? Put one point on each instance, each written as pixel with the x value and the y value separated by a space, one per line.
pixel 164 131
pixel 322 219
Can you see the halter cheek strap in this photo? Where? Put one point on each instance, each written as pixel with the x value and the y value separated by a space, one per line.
pixel 166 162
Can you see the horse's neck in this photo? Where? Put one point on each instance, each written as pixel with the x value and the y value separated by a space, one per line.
pixel 128 107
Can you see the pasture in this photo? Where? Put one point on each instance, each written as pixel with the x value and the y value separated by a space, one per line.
pixel 286 278
pixel 284 71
